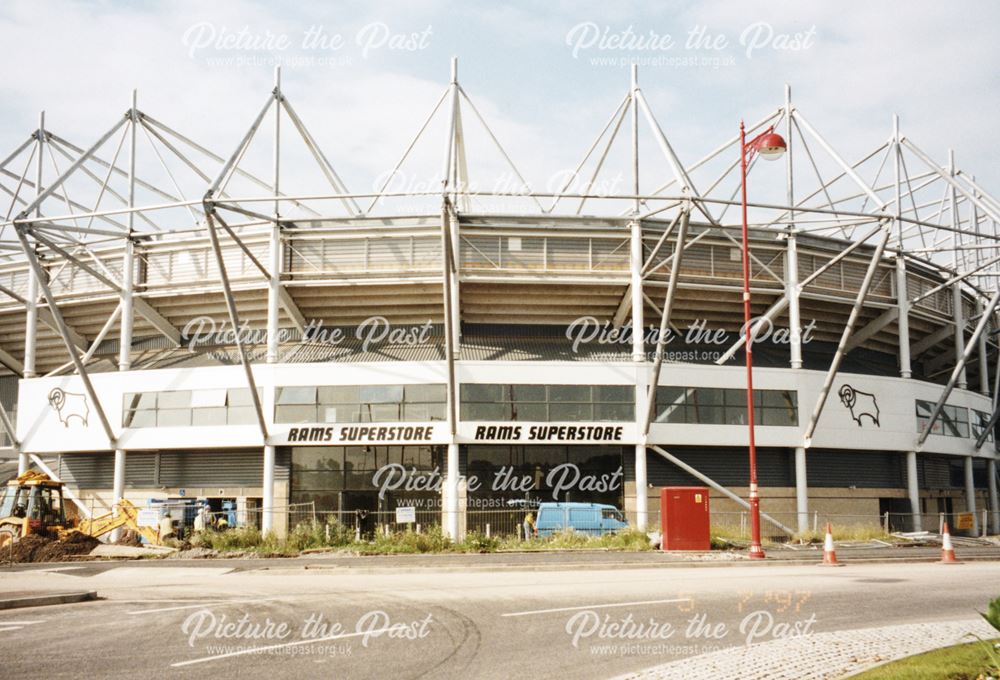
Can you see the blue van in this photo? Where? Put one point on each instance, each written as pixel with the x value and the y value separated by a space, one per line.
pixel 595 519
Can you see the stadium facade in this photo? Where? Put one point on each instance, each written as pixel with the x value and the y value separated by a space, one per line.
pixel 467 350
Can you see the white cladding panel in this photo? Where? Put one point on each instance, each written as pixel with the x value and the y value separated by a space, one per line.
pixel 55 414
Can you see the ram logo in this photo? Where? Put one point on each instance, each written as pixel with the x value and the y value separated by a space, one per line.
pixel 69 405
pixel 861 404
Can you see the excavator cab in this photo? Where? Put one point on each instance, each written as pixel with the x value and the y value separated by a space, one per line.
pixel 31 504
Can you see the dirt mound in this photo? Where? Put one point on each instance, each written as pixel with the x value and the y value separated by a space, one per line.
pixel 131 538
pixel 37 548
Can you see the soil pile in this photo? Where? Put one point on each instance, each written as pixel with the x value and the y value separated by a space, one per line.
pixel 37 548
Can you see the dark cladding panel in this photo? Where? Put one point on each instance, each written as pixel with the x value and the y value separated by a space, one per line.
pixel 862 469
pixel 87 470
pixel 211 468
pixel 727 466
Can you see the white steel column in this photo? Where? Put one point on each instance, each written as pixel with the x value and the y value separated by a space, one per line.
pixel 970 495
pixel 641 390
pixel 913 489
pixel 791 250
pixel 273 302
pixel 31 320
pixel 902 295
pixel 991 477
pixel 450 317
pixel 801 490
pixel 903 320
pixel 127 312
pixel 984 370
pixel 637 259
pixel 118 490
pixel 956 289
pixel 959 315
pixel 274 252
pixel 128 258
pixel 267 509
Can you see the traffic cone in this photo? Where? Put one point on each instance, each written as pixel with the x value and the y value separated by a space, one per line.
pixel 829 554
pixel 947 551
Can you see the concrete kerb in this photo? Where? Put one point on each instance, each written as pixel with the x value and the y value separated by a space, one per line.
pixel 47 600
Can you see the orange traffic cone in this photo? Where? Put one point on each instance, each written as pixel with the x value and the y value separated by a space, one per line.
pixel 947 551
pixel 829 554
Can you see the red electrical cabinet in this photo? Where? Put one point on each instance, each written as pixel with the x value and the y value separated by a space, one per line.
pixel 684 518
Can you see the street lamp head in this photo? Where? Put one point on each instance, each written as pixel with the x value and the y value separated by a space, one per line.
pixel 771 146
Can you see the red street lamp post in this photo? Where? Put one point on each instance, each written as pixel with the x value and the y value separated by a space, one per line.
pixel 771 146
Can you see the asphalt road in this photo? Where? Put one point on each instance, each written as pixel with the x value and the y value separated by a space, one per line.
pixel 275 619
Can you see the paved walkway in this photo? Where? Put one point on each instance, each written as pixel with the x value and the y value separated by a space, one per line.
pixel 821 656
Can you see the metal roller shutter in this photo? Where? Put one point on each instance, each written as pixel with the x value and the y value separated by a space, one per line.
pixel 727 466
pixel 211 468
pixel 863 469
pixel 87 470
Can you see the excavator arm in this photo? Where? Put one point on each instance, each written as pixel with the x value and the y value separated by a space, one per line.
pixel 128 516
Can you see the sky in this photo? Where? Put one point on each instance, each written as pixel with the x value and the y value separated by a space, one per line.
pixel 546 76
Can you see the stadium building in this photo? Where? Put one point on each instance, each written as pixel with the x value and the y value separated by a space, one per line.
pixel 242 326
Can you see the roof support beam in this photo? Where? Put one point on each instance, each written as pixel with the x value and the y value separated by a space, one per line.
pixel 928 341
pixel 64 332
pixel 873 327
pixel 715 485
pixel 234 317
pixel 668 303
pixel 141 306
pixel 848 330
pixel 956 374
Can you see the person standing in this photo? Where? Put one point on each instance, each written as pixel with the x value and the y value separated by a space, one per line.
pixel 529 526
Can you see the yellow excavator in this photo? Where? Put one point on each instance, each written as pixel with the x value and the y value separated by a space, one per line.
pixel 33 504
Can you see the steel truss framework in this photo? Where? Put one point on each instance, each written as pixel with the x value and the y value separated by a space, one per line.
pixel 67 202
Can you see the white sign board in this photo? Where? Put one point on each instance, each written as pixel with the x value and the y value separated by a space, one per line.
pixel 406 514
pixel 148 517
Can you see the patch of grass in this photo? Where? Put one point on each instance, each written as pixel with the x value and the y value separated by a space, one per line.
pixel 317 536
pixel 238 538
pixel 960 662
pixel 476 542
pixel 850 532
pixel 305 536
pixel 629 539
pixel 403 542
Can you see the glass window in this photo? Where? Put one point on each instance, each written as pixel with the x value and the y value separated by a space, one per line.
pixel 569 411
pixel 528 393
pixel 485 411
pixel 339 394
pixel 142 419
pixel 173 417
pixel 296 395
pixel 341 413
pixel 425 393
pixel 715 406
pixel 208 398
pixel 379 413
pixel 178 399
pixel 485 393
pixel 614 393
pixel 360 458
pixel 294 413
pixel 381 394
pixel 610 412
pixel 569 393
pixel 239 396
pixel 953 421
pixel 529 412
pixel 980 421
pixel 140 400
